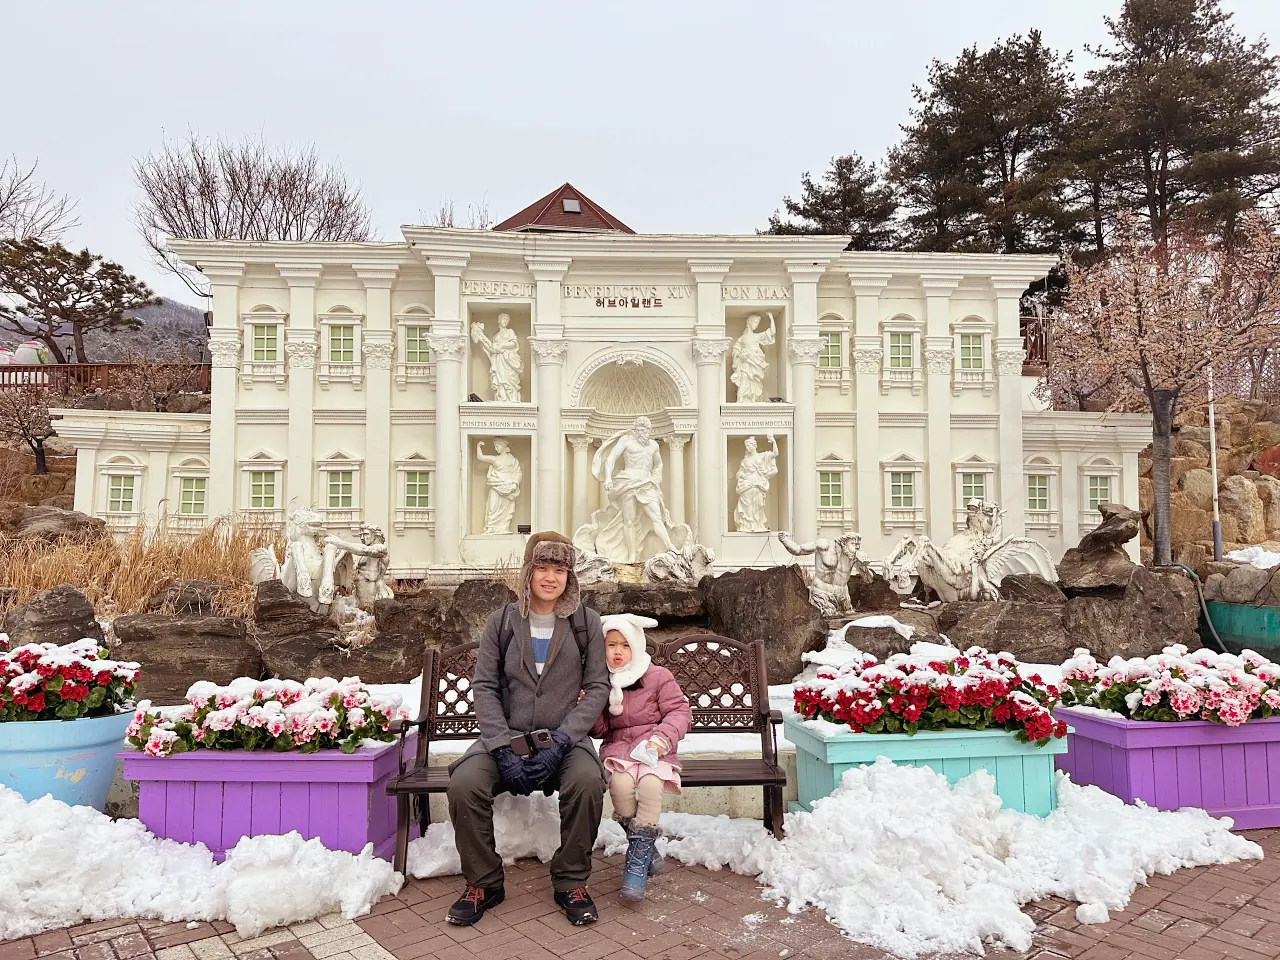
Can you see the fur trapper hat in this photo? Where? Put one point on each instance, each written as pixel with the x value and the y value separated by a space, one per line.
pixel 632 627
pixel 552 550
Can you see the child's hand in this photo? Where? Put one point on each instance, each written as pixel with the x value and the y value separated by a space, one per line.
pixel 660 746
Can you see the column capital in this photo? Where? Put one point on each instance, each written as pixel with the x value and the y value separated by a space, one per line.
pixel 224 348
pixel 709 271
pixel 580 443
pixel 1011 286
pixel 376 276
pixel 300 349
pixel 300 274
pixel 709 350
pixel 867 360
pixel 938 360
pixel 448 266
pixel 940 284
pixel 447 347
pixel 676 442
pixel 548 268
pixel 1009 361
pixel 805 271
pixel 222 273
pixel 549 352
pixel 378 349
pixel 803 351
pixel 866 284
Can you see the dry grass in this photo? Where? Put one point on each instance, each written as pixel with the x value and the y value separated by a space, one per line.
pixel 119 577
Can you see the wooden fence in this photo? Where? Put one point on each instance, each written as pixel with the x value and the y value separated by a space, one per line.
pixel 62 377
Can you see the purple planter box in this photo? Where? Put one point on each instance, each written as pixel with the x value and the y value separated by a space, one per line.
pixel 216 797
pixel 1229 771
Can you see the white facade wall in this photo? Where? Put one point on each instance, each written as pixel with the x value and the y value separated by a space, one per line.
pixel 899 378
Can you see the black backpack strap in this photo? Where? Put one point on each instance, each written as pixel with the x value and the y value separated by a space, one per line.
pixel 578 620
pixel 505 633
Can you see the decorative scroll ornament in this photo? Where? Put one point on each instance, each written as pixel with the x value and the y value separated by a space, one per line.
pixel 804 351
pixel 549 351
pixel 447 347
pixel 938 360
pixel 676 443
pixel 709 351
pixel 1009 362
pixel 377 356
pixel 580 444
pixel 867 360
pixel 225 352
pixel 301 354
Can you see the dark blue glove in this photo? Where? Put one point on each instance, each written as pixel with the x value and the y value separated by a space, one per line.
pixel 544 766
pixel 514 772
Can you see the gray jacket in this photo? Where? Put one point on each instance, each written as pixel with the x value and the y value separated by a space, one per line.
pixel 539 702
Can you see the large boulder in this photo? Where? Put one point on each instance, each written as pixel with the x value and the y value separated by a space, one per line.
pixel 770 605
pixel 1189 522
pixel 884 641
pixel 60 614
pixel 1264 434
pixel 185 596
pixel 662 601
pixel 463 617
pixel 1198 485
pixel 416 613
pixel 176 651
pixel 1244 584
pixel 1030 588
pixel 1157 608
pixel 1100 560
pixel 279 616
pixel 1269 493
pixel 23 522
pixel 875 594
pixel 1241 510
pixel 1032 632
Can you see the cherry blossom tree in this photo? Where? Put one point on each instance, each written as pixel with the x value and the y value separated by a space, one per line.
pixel 1149 320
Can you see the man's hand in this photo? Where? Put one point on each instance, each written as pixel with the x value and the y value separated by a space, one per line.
pixel 514 771
pixel 543 766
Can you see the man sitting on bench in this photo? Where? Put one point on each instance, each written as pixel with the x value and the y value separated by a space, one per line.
pixel 540 683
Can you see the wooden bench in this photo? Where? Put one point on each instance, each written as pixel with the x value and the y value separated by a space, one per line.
pixel 724 680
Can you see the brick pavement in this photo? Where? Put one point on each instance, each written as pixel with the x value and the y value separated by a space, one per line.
pixel 1212 913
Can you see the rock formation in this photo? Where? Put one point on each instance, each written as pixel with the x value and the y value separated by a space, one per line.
pixel 60 614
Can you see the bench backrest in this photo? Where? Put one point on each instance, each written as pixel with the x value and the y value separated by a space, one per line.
pixel 723 678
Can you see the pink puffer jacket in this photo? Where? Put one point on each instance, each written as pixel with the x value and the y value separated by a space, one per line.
pixel 655 704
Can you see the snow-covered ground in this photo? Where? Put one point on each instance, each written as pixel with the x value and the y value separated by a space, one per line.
pixel 1256 556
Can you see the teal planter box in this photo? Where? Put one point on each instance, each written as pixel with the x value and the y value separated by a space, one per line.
pixel 1243 627
pixel 1023 772
pixel 74 760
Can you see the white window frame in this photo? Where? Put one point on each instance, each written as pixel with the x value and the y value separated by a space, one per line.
pixel 409 518
pixel 912 377
pixel 262 463
pixel 1098 467
pixel 972 464
pixel 331 371
pixel 119 467
pixel 341 462
pixel 1048 521
pixel 195 468
pixel 263 371
pixel 840 375
pixel 909 518
pixel 406 373
pixel 841 517
pixel 982 378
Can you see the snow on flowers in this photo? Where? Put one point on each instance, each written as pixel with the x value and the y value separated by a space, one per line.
pixel 48 681
pixel 919 691
pixel 248 714
pixel 1176 685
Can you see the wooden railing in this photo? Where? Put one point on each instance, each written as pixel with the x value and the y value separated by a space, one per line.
pixel 83 376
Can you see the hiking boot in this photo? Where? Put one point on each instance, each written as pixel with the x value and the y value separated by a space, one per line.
pixel 577 906
pixel 641 849
pixel 470 907
pixel 628 827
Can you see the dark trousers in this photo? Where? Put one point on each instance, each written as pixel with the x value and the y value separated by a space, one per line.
pixel 472 786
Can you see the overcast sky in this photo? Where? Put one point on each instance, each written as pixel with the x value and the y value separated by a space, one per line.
pixel 678 117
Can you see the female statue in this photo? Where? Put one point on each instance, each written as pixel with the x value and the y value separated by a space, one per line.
pixel 753 486
pixel 505 364
pixel 504 478
pixel 749 363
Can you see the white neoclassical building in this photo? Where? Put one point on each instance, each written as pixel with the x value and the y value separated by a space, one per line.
pixel 347 377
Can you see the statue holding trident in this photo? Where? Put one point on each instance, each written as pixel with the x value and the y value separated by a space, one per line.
pixel 635 525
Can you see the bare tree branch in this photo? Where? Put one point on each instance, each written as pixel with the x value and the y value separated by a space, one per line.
pixel 31 209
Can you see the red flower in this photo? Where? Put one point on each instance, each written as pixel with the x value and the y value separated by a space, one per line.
pixel 73 691
pixel 36 703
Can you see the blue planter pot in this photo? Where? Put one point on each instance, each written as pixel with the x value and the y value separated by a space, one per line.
pixel 74 760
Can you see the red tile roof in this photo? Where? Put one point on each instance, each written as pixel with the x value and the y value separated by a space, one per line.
pixel 548 214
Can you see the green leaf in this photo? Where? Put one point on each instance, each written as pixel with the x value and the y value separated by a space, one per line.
pixel 349 746
pixel 69 710
pixel 96 698
pixel 54 684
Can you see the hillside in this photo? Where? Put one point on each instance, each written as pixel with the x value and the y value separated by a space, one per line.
pixel 167 327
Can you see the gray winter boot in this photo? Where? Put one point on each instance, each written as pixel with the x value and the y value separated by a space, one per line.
pixel 642 839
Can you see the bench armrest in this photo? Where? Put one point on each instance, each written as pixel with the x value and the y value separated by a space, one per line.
pixel 402 728
pixel 775 716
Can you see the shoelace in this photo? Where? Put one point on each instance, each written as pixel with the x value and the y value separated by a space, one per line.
pixel 579 895
pixel 474 896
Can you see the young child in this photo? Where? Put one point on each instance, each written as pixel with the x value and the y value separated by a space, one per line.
pixel 647 717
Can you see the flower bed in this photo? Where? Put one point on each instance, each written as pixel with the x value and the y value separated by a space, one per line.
pixel 268 757
pixel 1178 729
pixel 953 713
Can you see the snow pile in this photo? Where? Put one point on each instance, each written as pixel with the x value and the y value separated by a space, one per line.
pixel 901 860
pixel 1256 556
pixel 61 865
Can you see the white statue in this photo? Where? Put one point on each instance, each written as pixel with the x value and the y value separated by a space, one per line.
pixel 504 479
pixel 753 486
pixel 971 564
pixel 635 524
pixel 749 363
pixel 688 563
pixel 505 364
pixel 588 564
pixel 834 562
pixel 361 568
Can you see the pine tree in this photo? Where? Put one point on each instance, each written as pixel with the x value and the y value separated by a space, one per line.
pixel 852 198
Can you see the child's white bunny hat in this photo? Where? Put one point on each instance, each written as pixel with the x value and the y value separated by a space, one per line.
pixel 632 627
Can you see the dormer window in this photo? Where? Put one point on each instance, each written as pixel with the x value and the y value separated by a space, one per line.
pixel 571 205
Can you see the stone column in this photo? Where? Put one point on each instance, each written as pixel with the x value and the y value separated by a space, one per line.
pixel 1009 354
pixel 675 465
pixel 448 347
pixel 300 348
pixel 224 387
pixel 151 500
pixel 581 479
pixel 939 358
pixel 1069 508
pixel 803 347
pixel 709 347
pixel 868 365
pixel 550 350
pixel 377 345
